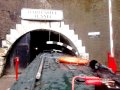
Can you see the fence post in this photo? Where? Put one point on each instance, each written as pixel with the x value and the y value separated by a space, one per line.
pixel 16 66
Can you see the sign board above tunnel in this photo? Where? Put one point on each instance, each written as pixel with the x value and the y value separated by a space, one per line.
pixel 41 14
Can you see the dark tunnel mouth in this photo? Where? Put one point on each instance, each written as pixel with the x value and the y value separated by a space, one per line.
pixel 32 45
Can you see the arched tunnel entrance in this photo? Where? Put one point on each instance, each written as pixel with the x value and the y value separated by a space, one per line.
pixel 38 43
pixel 34 42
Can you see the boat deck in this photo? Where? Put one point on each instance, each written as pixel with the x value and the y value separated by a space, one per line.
pixel 54 75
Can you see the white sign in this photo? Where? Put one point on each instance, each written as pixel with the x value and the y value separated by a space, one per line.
pixel 41 14
pixel 93 33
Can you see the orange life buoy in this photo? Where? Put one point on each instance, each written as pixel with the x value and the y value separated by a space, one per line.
pixel 72 60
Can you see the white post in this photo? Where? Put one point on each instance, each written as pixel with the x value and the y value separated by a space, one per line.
pixel 111 28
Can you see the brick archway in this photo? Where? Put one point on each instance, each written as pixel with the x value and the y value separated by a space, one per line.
pixel 60 27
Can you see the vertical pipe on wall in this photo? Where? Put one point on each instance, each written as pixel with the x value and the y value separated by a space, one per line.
pixel 111 29
pixel 111 59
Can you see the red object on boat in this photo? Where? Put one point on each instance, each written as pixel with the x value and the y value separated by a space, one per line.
pixel 89 80
pixel 93 82
pixel 112 63
pixel 72 60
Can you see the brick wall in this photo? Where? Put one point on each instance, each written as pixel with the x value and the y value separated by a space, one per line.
pixel 82 15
